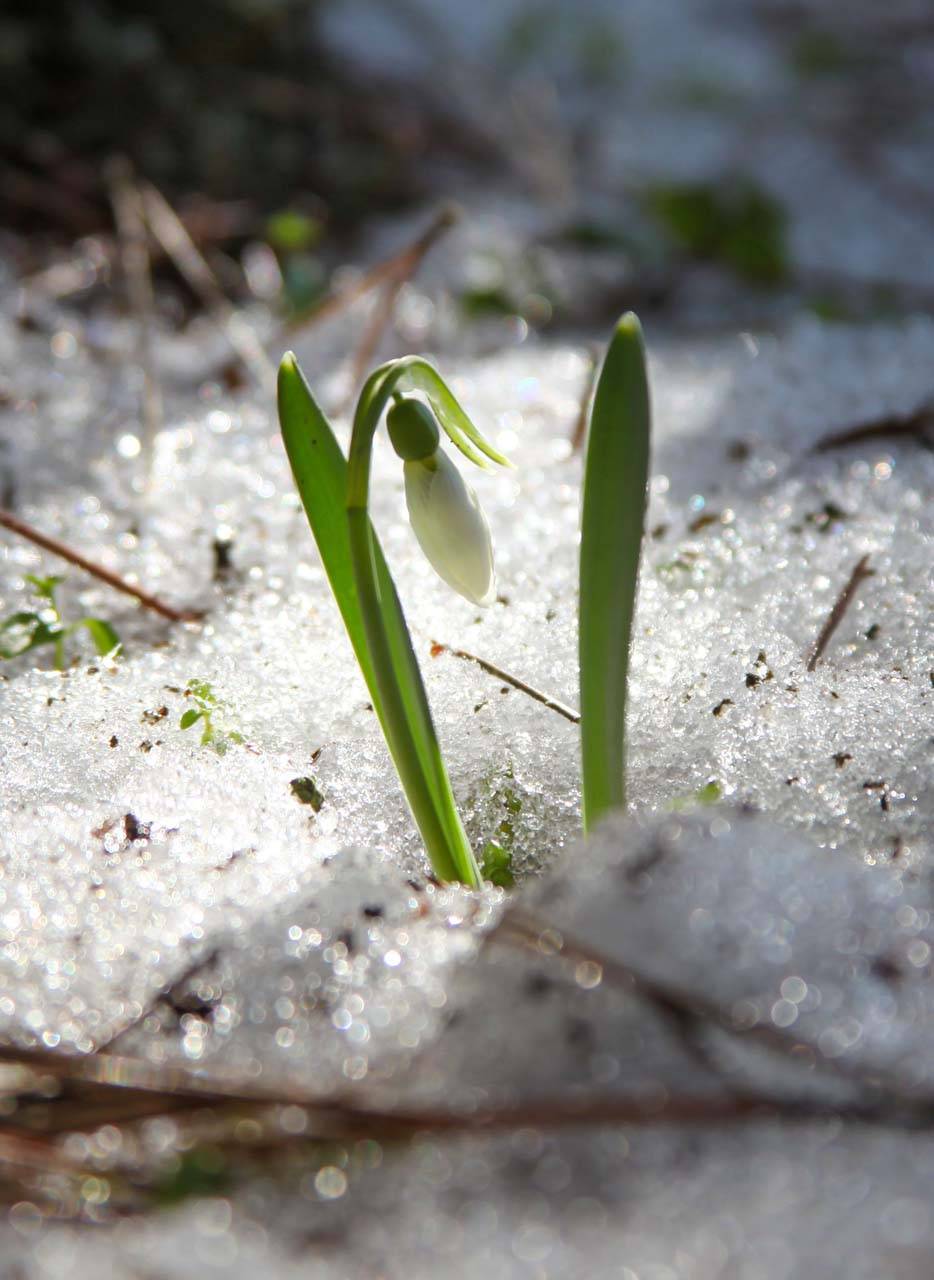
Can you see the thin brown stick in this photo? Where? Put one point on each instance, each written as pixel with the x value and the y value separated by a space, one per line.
pixel 372 336
pixel 173 1089
pixel 545 699
pixel 173 235
pixel 402 263
pixel 918 424
pixel 840 606
pixel 526 930
pixel 130 219
pixel 48 543
pixel 579 434
pixel 406 266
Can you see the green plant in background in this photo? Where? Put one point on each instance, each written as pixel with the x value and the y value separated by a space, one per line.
pixel 455 537
pixel 33 629
pixel 208 708
pixel 733 222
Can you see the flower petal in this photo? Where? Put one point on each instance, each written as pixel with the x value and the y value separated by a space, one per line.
pixel 451 527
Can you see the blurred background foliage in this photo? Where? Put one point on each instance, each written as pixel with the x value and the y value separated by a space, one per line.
pixel 227 99
pixel 658 157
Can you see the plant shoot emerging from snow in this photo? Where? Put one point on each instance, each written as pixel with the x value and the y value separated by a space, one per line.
pixel 208 709
pixel 455 537
pixel 33 629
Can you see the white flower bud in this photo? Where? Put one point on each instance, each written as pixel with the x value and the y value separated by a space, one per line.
pixel 450 526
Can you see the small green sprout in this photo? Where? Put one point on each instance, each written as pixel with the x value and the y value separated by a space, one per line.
pixel 455 537
pixel 708 794
pixel 735 223
pixel 496 865
pixel 496 860
pixel 32 629
pixel 207 707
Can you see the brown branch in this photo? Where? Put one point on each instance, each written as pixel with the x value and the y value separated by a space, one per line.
pixel 372 336
pixel 545 699
pixel 152 1091
pixel 402 264
pixel 175 239
pixel 579 434
pixel 406 264
pixel 840 606
pixel 15 525
pixel 918 424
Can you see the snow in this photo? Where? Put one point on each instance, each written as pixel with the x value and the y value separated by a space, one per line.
pixel 324 969
pixel 184 908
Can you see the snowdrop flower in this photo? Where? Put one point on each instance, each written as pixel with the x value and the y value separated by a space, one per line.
pixel 446 517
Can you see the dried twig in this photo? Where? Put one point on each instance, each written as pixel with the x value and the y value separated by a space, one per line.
pixel 918 424
pixel 401 265
pixel 129 215
pixel 579 434
pixel 372 336
pixel 545 699
pixel 405 266
pixel 160 1090
pixel 15 525
pixel 172 234
pixel 840 606
pixel 696 1009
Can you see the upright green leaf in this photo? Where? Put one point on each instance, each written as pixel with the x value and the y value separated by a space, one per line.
pixel 615 477
pixel 102 633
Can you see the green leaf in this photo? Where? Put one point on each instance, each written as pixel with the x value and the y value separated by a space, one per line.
pixel 202 693
pixel 25 618
pixel 615 477
pixel 708 794
pixel 190 717
pixel 45 587
pixel 321 476
pixel 732 222
pixel 290 230
pixel 38 632
pixel 496 865
pixel 201 1172
pixel 102 633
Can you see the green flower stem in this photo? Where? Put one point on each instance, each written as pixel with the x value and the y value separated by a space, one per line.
pixel 613 515
pixel 446 843
pixel 416 754
pixel 335 494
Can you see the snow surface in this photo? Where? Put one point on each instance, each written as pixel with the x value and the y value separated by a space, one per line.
pixel 183 907
pixel 305 967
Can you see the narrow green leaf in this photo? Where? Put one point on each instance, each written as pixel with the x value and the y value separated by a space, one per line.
pixel 45 587
pixel 37 632
pixel 320 471
pixel 102 633
pixel 190 717
pixel 25 618
pixel 615 478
